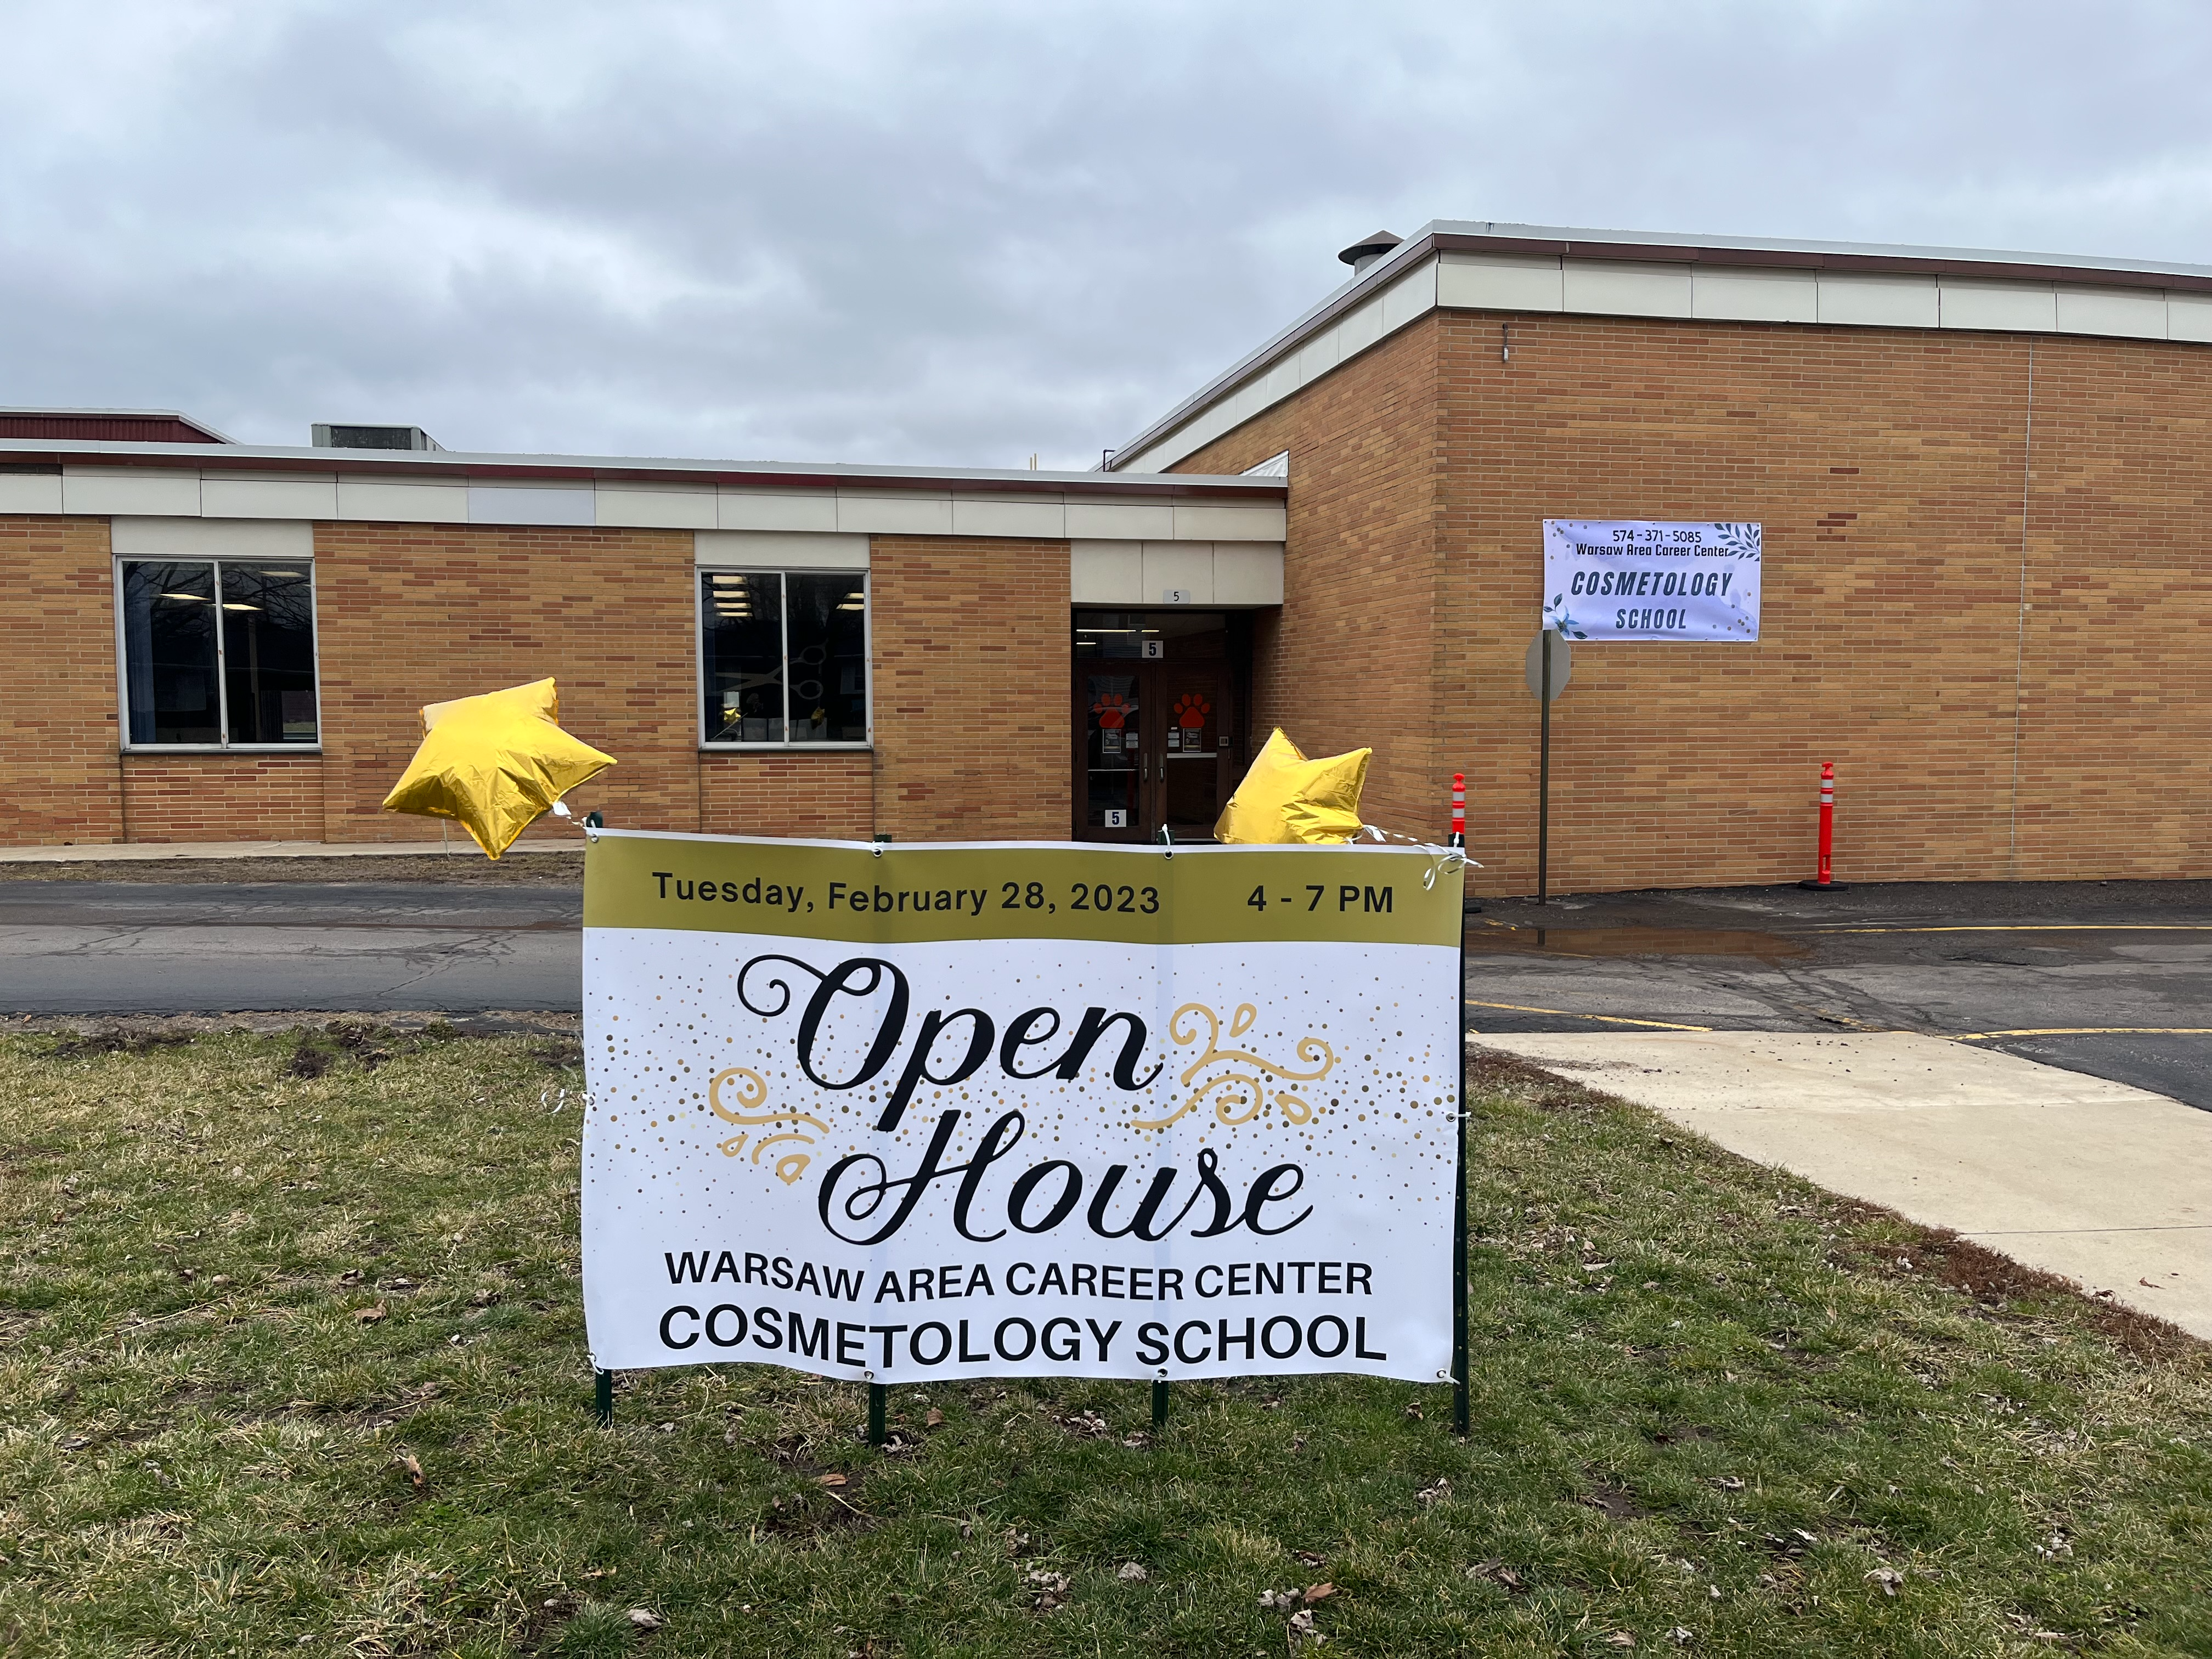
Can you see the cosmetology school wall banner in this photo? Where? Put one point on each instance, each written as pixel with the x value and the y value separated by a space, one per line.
pixel 1006 1110
pixel 1641 579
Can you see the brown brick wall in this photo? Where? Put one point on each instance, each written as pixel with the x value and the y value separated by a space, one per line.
pixel 970 657
pixel 58 701
pixel 821 796
pixel 1890 469
pixel 1887 639
pixel 254 797
pixel 411 614
pixel 2116 750
pixel 972 661
pixel 1350 658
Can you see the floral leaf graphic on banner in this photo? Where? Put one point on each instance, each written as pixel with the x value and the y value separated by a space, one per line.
pixel 752 1094
pixel 1236 1096
pixel 1741 539
pixel 1559 619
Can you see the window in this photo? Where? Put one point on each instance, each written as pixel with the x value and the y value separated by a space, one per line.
pixel 218 653
pixel 784 656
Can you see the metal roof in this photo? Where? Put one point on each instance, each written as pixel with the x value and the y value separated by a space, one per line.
pixel 20 455
pixel 48 411
pixel 1899 256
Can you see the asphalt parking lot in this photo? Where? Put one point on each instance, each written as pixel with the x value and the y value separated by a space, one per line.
pixel 134 947
pixel 2114 979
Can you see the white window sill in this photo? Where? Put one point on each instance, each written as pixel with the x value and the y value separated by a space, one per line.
pixel 785 748
pixel 223 749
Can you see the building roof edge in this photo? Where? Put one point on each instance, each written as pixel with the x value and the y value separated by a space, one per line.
pixel 20 453
pixel 1500 237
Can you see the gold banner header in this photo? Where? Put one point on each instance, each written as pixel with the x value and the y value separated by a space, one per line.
pixel 888 894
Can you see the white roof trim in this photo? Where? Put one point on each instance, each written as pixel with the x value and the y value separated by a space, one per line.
pixel 1858 285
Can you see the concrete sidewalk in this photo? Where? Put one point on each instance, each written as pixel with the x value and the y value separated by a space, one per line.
pixel 2108 1185
pixel 133 852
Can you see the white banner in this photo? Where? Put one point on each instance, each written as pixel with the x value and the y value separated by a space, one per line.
pixel 1635 579
pixel 912 1112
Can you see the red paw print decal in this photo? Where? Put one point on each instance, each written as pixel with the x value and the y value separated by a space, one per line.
pixel 1113 711
pixel 1190 714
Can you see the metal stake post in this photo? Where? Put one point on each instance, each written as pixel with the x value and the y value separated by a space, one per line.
pixel 1160 1388
pixel 878 1394
pixel 1543 779
pixel 1460 1407
pixel 603 1398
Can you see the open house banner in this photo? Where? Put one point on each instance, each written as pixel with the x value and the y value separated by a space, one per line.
pixel 1638 579
pixel 1011 1109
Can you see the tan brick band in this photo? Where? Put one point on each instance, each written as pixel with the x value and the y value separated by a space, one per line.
pixel 971 689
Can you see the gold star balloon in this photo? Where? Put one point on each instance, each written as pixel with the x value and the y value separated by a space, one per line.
pixel 1287 798
pixel 495 764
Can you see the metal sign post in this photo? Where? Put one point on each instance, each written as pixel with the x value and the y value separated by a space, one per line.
pixel 1544 778
pixel 1547 668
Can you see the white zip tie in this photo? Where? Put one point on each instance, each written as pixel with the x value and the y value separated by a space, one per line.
pixel 1448 858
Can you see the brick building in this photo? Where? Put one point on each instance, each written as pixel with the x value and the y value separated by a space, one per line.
pixel 1986 599
pixel 223 642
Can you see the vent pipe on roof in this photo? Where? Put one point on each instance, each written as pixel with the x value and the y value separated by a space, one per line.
pixel 1362 254
pixel 333 435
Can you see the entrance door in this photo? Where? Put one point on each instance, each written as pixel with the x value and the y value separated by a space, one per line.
pixel 1114 762
pixel 1193 784
pixel 1152 708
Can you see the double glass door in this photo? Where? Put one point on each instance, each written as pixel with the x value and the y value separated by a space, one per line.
pixel 1152 724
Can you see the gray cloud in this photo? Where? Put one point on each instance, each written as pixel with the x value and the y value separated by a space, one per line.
pixel 959 232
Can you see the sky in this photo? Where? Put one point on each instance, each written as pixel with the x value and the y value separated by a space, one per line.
pixel 961 234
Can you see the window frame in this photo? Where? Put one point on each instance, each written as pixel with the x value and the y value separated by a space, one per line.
pixel 784 746
pixel 215 562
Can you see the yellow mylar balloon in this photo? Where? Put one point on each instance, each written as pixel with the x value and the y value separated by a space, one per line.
pixel 1287 798
pixel 495 763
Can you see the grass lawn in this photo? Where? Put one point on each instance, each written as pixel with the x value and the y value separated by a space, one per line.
pixel 291 1361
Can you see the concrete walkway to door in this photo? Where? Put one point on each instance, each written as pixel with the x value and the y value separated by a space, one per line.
pixel 2106 1184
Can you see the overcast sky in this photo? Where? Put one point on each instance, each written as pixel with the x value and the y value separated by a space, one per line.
pixel 961 233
